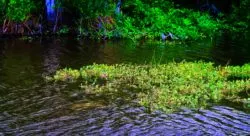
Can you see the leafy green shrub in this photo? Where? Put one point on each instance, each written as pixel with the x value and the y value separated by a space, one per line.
pixel 2 9
pixel 162 4
pixel 95 18
pixel 150 21
pixel 240 17
pixel 18 10
pixel 63 30
pixel 142 19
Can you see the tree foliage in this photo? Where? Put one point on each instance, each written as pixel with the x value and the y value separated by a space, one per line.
pixel 240 16
pixel 137 19
pixel 90 8
pixel 18 10
pixel 2 8
pixel 143 19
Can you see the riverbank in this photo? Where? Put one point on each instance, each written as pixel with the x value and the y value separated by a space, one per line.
pixel 165 87
pixel 136 20
pixel 133 20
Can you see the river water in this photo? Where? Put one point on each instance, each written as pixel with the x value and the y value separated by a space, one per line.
pixel 31 106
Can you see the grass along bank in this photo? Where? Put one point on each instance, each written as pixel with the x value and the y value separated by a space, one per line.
pixel 165 87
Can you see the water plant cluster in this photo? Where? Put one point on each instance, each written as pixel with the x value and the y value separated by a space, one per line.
pixel 165 87
pixel 134 19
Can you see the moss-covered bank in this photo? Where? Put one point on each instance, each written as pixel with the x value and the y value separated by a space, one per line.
pixel 165 87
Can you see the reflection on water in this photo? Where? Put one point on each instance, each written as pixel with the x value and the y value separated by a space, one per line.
pixel 31 106
pixel 131 120
pixel 51 57
pixel 232 50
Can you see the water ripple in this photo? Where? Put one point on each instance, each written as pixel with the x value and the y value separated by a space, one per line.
pixel 132 120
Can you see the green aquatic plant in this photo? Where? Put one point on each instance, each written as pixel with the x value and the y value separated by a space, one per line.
pixel 248 102
pixel 66 74
pixel 165 86
pixel 238 72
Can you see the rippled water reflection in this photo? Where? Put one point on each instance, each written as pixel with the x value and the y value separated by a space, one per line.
pixel 132 120
pixel 31 106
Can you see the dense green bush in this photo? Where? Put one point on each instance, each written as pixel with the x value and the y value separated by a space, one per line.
pixel 19 10
pixel 144 20
pixel 240 16
pixel 2 5
pixel 94 16
pixel 2 9
pixel 138 18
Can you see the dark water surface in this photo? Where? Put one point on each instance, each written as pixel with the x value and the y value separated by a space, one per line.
pixel 30 106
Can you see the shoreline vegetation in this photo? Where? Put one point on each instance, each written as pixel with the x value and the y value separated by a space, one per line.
pixel 165 87
pixel 131 19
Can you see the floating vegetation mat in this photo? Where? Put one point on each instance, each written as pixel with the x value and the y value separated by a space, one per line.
pixel 165 87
